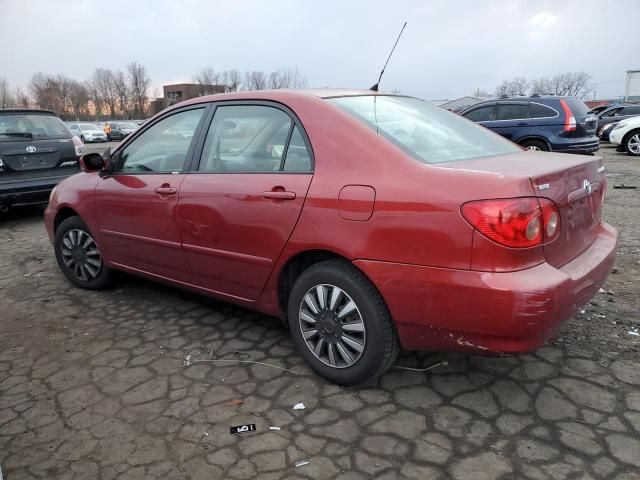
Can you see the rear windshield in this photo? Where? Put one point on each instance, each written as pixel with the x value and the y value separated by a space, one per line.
pixel 426 132
pixel 578 107
pixel 14 127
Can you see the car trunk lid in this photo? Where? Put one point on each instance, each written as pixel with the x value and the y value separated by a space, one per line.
pixel 36 158
pixel 575 183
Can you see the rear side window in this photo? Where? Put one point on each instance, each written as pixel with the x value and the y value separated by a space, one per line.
pixel 428 133
pixel 537 110
pixel 482 114
pixel 512 111
pixel 31 126
pixel 246 138
pixel 297 158
pixel 578 107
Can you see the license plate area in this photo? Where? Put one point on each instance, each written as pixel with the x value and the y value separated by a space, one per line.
pixel 34 161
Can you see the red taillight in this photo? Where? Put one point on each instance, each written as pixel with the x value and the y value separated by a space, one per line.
pixel 79 146
pixel 569 119
pixel 515 222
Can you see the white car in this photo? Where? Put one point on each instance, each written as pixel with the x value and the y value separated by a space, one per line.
pixel 627 134
pixel 88 132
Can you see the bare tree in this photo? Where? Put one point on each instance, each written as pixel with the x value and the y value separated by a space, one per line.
pixel 207 79
pixel 96 102
pixel 139 83
pixel 297 79
pixel 5 94
pixel 20 98
pixel 79 98
pixel 122 93
pixel 575 84
pixel 517 86
pixel 46 92
pixel 255 80
pixel 232 80
pixel 104 82
pixel 279 79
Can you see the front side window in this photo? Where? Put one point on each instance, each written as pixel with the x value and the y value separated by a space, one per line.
pixel 512 111
pixel 246 138
pixel 164 146
pixel 428 133
pixel 482 114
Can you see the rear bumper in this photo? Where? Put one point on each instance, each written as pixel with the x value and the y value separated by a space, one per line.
pixel 577 147
pixel 484 312
pixel 29 190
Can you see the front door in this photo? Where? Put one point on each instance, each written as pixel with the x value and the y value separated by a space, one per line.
pixel 137 214
pixel 239 209
pixel 512 118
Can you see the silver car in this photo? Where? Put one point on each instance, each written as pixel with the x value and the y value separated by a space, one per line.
pixel 88 132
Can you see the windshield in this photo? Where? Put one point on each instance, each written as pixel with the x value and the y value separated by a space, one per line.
pixel 128 125
pixel 34 126
pixel 426 132
pixel 88 126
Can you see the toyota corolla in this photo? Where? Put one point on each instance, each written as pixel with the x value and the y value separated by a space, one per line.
pixel 368 222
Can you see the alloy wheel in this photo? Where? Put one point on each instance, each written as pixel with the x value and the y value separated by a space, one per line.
pixel 634 144
pixel 81 255
pixel 534 148
pixel 332 326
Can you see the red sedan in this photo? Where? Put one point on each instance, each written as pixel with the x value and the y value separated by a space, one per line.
pixel 368 222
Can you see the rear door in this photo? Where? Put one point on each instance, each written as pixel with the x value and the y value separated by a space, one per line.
pixel 239 206
pixel 512 120
pixel 137 203
pixel 34 145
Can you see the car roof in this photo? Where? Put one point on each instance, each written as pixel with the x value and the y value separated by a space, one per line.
pixel 282 94
pixel 28 110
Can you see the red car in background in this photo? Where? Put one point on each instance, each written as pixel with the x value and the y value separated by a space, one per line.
pixel 369 222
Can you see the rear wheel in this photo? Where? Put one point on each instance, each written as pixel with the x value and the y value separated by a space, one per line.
pixel 79 256
pixel 341 324
pixel 632 143
pixel 536 145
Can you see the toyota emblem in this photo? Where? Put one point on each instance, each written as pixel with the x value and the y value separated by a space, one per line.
pixel 31 149
pixel 587 186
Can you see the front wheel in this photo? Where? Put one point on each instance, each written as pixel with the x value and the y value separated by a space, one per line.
pixel 535 145
pixel 79 256
pixel 632 143
pixel 341 324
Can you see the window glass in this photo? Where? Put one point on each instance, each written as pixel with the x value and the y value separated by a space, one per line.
pixel 297 158
pixel 541 111
pixel 245 138
pixel 481 114
pixel 15 127
pixel 512 111
pixel 164 146
pixel 428 133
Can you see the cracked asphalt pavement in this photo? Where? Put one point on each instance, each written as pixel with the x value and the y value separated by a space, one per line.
pixel 121 384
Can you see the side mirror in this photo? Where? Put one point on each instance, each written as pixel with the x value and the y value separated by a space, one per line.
pixel 93 162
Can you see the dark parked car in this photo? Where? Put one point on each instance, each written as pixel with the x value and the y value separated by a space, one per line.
pixel 615 114
pixel 360 219
pixel 603 132
pixel 120 130
pixel 599 108
pixel 557 124
pixel 37 150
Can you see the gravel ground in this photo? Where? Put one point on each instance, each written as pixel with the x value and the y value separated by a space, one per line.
pixel 116 384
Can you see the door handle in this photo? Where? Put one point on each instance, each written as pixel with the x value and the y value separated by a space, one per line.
pixel 279 195
pixel 166 190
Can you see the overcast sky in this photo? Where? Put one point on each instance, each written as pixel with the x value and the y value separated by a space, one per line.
pixel 449 48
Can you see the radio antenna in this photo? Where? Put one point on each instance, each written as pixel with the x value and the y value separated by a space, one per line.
pixel 375 87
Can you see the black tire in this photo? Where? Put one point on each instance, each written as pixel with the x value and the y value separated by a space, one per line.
pixel 535 145
pixel 82 138
pixel 630 143
pixel 381 346
pixel 103 274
